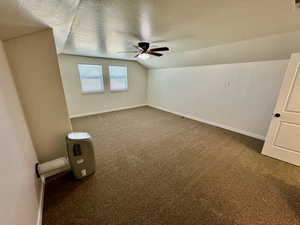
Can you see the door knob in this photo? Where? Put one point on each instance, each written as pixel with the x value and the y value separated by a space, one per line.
pixel 277 115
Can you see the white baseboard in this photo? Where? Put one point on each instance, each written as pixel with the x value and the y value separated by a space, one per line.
pixel 105 111
pixel 41 203
pixel 236 130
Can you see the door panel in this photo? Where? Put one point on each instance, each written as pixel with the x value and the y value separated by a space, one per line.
pixel 287 137
pixel 293 101
pixel 283 138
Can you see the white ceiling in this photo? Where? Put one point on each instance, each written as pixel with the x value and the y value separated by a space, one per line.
pixel 198 32
pixel 19 17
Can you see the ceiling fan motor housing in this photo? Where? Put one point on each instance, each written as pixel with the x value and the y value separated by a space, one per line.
pixel 144 46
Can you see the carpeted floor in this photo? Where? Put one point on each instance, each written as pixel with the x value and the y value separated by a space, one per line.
pixel 155 168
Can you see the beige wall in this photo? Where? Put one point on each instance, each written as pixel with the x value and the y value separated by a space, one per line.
pixel 20 189
pixel 33 60
pixel 79 103
pixel 238 96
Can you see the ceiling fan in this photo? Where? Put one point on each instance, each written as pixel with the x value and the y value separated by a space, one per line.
pixel 143 52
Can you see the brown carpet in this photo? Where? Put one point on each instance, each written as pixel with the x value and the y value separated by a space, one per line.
pixel 155 168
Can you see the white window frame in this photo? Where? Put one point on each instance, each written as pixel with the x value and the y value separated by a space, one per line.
pixel 110 87
pixel 101 78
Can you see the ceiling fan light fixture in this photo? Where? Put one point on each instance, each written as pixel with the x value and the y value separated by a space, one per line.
pixel 143 56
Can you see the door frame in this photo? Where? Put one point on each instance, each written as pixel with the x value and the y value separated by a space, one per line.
pixel 290 77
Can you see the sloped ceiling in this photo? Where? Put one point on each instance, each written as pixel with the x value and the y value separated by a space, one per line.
pixel 20 17
pixel 198 32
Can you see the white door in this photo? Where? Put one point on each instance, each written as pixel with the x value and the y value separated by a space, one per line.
pixel 283 138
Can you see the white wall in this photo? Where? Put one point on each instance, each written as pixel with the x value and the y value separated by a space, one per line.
pixel 237 96
pixel 34 63
pixel 79 103
pixel 19 188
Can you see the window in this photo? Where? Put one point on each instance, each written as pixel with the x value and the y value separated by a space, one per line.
pixel 91 78
pixel 118 78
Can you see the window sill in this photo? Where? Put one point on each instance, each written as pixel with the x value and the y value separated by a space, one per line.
pixel 91 92
pixel 115 91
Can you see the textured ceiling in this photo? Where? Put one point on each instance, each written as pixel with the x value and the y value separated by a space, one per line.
pixel 198 32
pixel 19 17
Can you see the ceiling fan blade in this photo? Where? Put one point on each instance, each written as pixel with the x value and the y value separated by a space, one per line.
pixel 160 49
pixel 154 53
pixel 137 47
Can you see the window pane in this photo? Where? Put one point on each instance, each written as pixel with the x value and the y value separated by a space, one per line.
pixel 118 78
pixel 91 78
pixel 91 85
